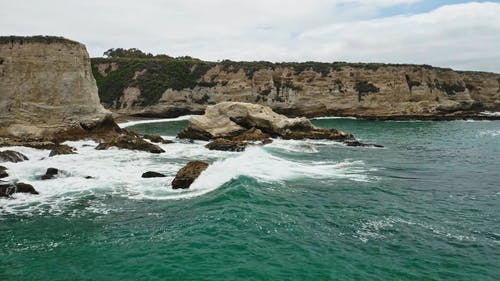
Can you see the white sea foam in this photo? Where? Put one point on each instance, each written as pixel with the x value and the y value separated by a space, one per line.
pixel 489 133
pixel 117 172
pixel 133 123
pixel 490 113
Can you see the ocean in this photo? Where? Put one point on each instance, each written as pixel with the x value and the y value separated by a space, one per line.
pixel 424 207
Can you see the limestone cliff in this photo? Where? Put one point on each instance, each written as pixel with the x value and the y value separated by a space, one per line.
pixel 47 88
pixel 167 88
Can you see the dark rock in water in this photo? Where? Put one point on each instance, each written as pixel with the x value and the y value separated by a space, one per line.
pixel 186 176
pixel 316 134
pixel 12 156
pixel 25 188
pixel 227 145
pixel 50 174
pixel 62 150
pixel 157 139
pixel 153 175
pixel 132 142
pixel 3 172
pixel 6 190
pixel 357 143
pixel 253 134
pixel 89 178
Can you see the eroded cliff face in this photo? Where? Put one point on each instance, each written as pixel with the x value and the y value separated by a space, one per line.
pixel 46 88
pixel 365 90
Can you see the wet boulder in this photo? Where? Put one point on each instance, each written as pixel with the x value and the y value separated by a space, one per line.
pixel 188 174
pixel 50 174
pixel 152 175
pixel 12 156
pixel 62 149
pixel 3 172
pixel 6 190
pixel 131 142
pixel 227 145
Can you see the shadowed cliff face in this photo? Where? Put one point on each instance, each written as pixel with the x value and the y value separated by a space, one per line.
pixel 46 86
pixel 168 88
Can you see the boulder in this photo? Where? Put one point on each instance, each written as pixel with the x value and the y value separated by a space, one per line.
pixel 3 172
pixel 6 190
pixel 132 142
pixel 12 156
pixel 253 135
pixel 245 121
pixel 50 174
pixel 62 149
pixel 25 188
pixel 153 175
pixel 186 176
pixel 157 139
pixel 227 145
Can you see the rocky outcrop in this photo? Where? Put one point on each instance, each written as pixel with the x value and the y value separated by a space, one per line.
pixel 157 139
pixel 3 172
pixel 186 176
pixel 50 174
pixel 62 149
pixel 147 175
pixel 6 190
pixel 240 122
pixel 12 156
pixel 227 145
pixel 47 91
pixel 381 91
pixel 131 142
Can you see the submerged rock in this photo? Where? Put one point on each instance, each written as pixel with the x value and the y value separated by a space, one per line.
pixel 186 176
pixel 12 156
pixel 3 172
pixel 132 142
pixel 227 145
pixel 356 143
pixel 6 190
pixel 62 149
pixel 152 175
pixel 50 174
pixel 157 139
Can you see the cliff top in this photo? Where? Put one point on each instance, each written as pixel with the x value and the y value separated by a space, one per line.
pixel 35 39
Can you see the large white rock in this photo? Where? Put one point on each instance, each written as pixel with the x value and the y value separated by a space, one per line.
pixel 217 119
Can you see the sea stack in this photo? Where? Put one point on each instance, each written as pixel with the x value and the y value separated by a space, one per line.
pixel 47 90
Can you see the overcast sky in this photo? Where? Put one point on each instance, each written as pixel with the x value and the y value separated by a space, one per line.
pixel 448 33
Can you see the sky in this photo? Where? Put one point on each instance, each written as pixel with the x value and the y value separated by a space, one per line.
pixel 463 35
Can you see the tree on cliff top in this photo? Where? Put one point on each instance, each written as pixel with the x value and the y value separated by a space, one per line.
pixel 126 53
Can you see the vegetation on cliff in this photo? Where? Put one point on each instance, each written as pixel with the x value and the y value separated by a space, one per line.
pixel 35 39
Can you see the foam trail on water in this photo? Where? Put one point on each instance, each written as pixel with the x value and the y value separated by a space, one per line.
pixel 255 162
pixel 333 117
pixel 133 123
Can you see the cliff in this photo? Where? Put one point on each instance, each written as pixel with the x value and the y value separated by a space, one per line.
pixel 47 89
pixel 155 87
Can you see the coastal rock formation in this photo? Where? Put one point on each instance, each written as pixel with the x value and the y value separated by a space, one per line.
pixel 12 156
pixel 6 190
pixel 186 176
pixel 310 89
pixel 130 141
pixel 3 172
pixel 241 122
pixel 147 175
pixel 157 139
pixel 227 145
pixel 62 150
pixel 50 174
pixel 47 90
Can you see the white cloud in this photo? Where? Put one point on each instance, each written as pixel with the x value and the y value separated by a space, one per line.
pixel 461 36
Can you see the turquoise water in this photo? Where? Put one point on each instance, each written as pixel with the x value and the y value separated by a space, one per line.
pixel 426 207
